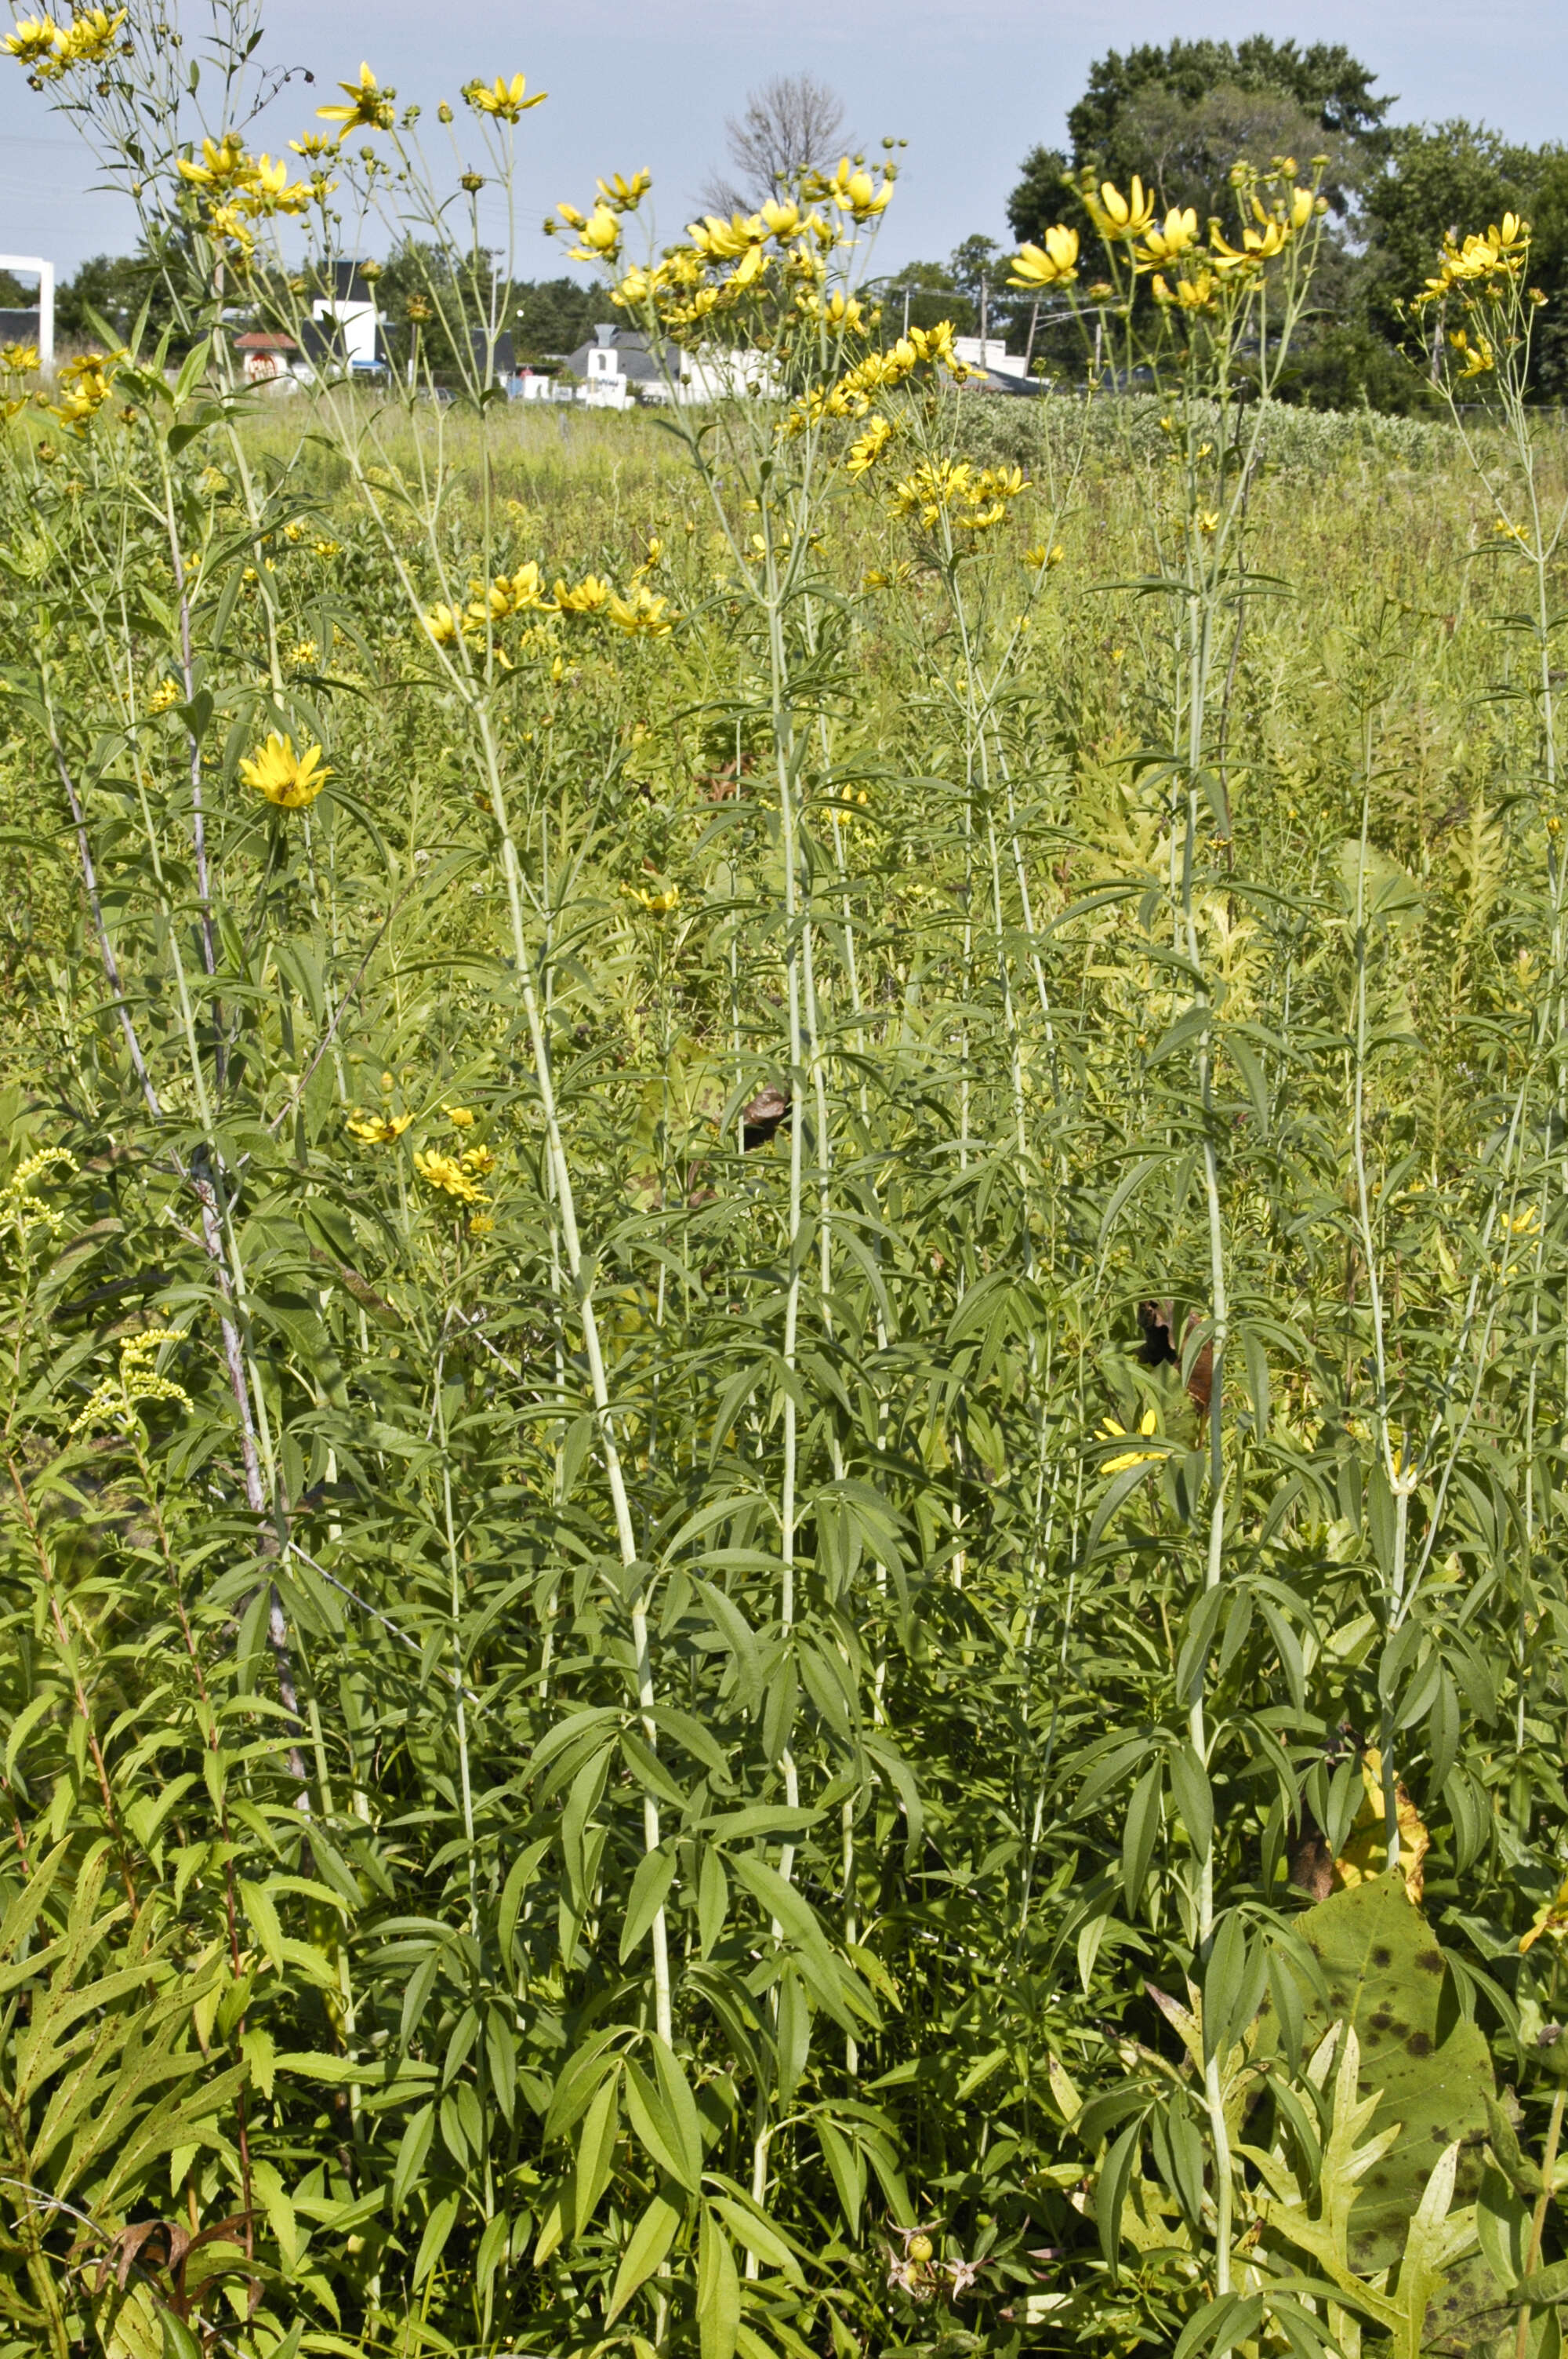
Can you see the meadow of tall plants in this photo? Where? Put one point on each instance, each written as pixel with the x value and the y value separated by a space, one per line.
pixel 784 1194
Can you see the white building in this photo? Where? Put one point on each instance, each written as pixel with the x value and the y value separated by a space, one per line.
pixel 348 321
pixel 990 353
pixel 618 368
pixel 34 324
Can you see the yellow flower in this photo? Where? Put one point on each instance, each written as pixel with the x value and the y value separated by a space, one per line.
pixel 36 41
pixel 1207 521
pixel 1478 357
pixel 659 904
pixel 166 692
pixel 291 780
pixel 600 236
pixel 590 597
pixel 874 439
pixel 642 612
pixel 780 220
pixel 854 191
pixel 303 654
pixel 1040 557
pixel 502 98
pixel 464 1116
pixel 442 626
pixel 623 196
pixel 445 1172
pixel 1195 294
pixel 325 549
pixel 1115 216
pixel 369 109
pixel 1173 237
pixel 481 1224
pixel 523 592
pixel 18 360
pixel 271 191
pixel 725 240
pixel 1550 1917
pixel 88 40
pixel 86 383
pixel 1257 248
pixel 1113 1430
pixel 378 1129
pixel 479 1162
pixel 223 165
pixel 1054 265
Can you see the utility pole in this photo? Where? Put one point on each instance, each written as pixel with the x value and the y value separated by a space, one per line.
pixel 985 298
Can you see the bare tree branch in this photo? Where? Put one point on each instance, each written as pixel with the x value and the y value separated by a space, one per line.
pixel 792 124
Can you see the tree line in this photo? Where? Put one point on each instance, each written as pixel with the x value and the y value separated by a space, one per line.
pixel 1180 115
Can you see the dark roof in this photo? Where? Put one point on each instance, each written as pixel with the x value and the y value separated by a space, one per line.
pixel 348 287
pixel 637 364
pixel 505 352
pixel 1002 381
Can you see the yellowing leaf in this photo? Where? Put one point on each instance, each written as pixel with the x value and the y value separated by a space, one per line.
pixel 1366 1852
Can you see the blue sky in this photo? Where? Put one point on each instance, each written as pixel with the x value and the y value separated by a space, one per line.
pixel 969 87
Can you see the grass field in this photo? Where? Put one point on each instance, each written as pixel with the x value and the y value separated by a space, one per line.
pixel 785 1202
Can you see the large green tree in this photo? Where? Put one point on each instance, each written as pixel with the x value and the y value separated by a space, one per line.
pixel 1324 80
pixel 1181 115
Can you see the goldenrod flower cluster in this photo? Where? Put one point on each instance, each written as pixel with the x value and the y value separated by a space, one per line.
pixel 19 1203
pixel 48 50
pixel 114 1400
